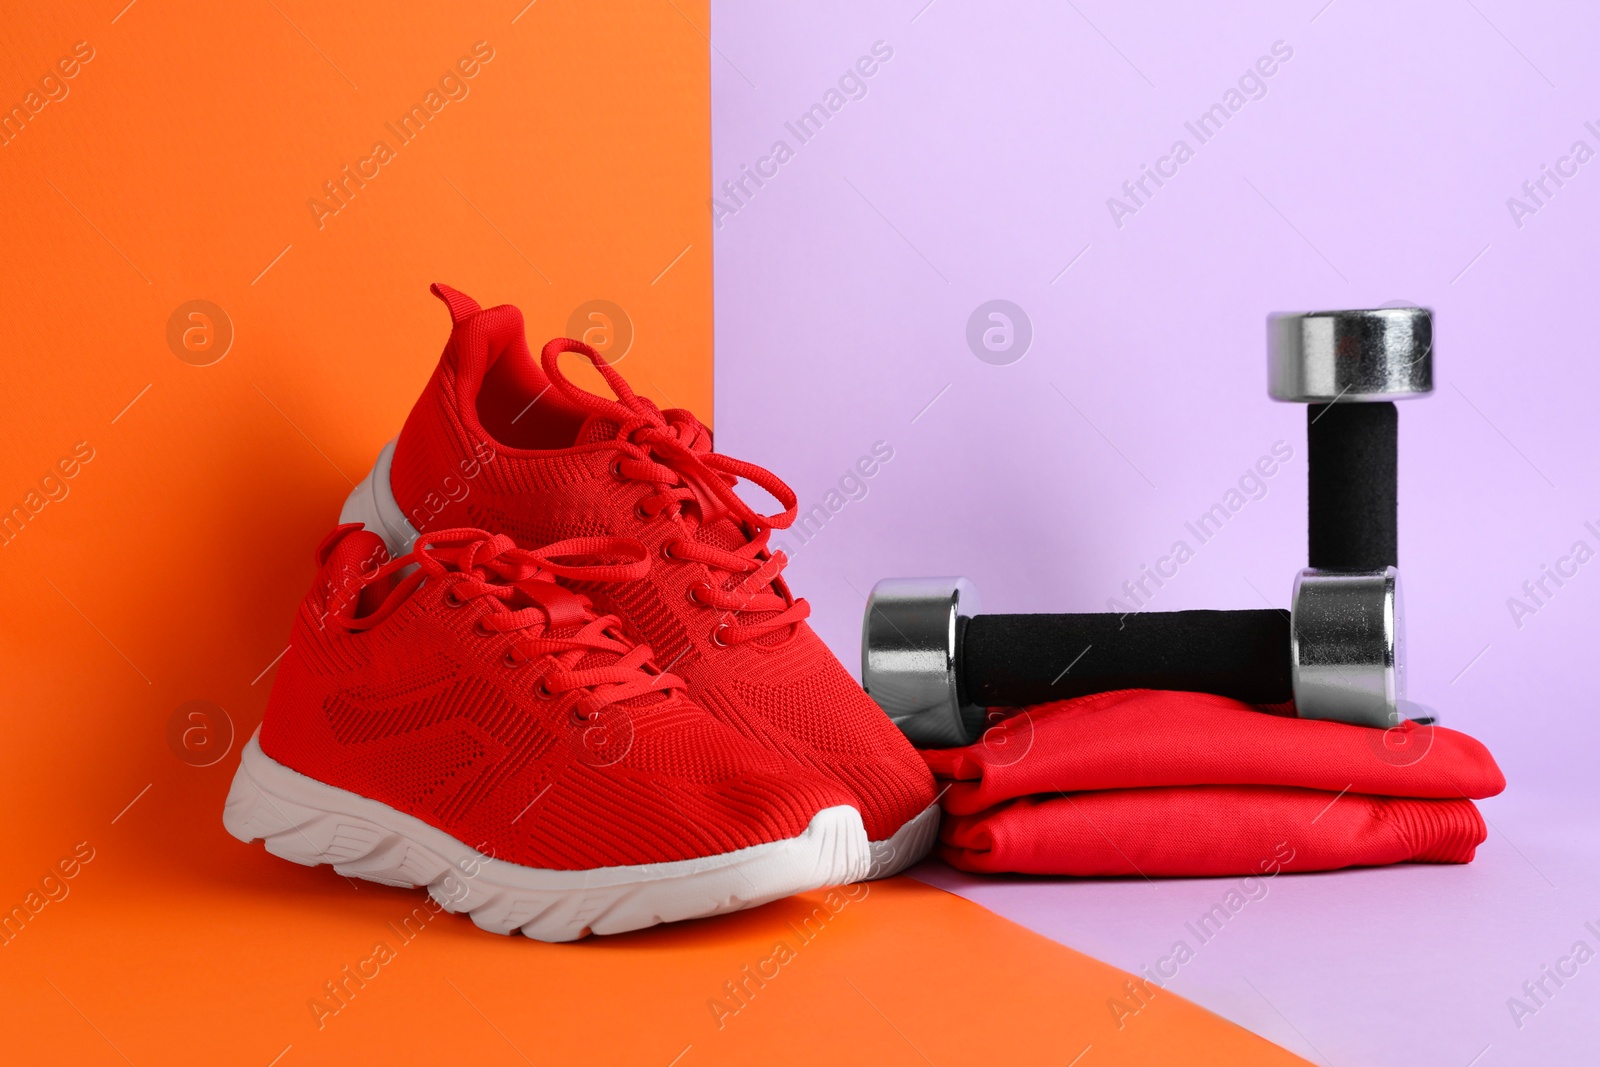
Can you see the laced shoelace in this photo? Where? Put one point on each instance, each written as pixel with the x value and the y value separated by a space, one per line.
pixel 671 451
pixel 546 620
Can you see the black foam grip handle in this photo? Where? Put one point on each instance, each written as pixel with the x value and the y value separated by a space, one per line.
pixel 1351 486
pixel 1013 660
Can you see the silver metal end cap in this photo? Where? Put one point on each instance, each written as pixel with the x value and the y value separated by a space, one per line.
pixel 1347 647
pixel 1321 357
pixel 910 645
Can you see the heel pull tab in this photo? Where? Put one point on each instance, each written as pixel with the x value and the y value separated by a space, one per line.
pixel 460 304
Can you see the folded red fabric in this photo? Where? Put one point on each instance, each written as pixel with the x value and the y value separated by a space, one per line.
pixel 1146 737
pixel 1209 830
pixel 1163 783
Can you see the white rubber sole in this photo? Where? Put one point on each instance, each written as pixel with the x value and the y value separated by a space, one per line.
pixel 905 846
pixel 310 822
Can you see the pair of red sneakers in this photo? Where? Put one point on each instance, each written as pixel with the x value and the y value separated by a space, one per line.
pixel 550 670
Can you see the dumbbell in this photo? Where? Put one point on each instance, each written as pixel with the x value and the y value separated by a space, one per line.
pixel 1349 367
pixel 933 663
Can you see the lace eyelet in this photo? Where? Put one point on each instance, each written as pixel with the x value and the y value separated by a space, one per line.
pixel 481 630
pixel 511 659
pixel 716 636
pixel 616 470
pixel 640 513
pixel 453 601
pixel 667 553
pixel 694 594
pixel 542 691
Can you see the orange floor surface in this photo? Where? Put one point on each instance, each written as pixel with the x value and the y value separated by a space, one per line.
pixel 160 955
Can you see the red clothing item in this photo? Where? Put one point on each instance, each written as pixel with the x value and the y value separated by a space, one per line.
pixel 1209 830
pixel 1162 783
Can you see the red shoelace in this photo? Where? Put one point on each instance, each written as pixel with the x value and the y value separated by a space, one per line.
pixel 547 622
pixel 671 451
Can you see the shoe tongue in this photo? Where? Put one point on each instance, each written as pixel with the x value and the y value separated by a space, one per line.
pixel 597 427
pixel 349 564
pixel 725 533
pixel 356 549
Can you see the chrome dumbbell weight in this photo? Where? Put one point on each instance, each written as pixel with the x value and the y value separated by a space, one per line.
pixel 934 664
pixel 1348 367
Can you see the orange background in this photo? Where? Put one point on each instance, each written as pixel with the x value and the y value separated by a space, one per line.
pixel 178 167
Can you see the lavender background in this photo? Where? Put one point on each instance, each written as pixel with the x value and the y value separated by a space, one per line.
pixel 1376 167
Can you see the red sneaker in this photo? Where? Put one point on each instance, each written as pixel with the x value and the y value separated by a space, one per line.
pixel 497 442
pixel 454 718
